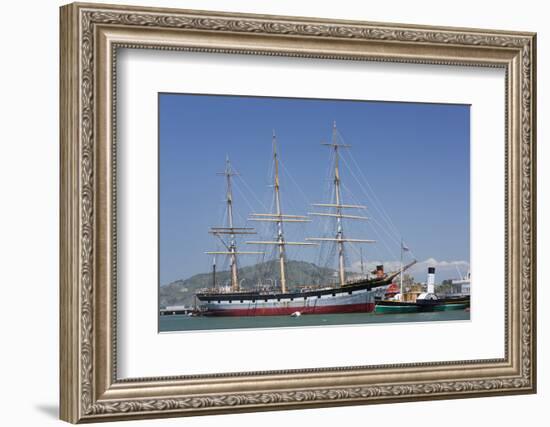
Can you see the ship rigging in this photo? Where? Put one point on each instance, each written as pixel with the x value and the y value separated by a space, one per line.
pixel 347 295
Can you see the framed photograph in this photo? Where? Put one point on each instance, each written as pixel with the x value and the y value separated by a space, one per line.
pixel 267 212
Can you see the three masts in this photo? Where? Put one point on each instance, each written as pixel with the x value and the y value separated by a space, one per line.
pixel 336 209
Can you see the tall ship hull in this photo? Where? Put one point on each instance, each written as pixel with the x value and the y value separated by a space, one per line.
pixel 353 298
pixel 360 302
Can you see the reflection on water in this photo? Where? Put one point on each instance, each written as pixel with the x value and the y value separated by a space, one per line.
pixel 186 323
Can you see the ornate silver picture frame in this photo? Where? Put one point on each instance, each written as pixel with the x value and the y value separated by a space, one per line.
pixel 91 37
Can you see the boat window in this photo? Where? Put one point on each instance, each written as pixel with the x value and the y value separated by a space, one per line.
pixel 229 301
pixel 242 301
pixel 278 299
pixel 291 299
pixel 318 296
pixel 333 295
pixel 253 300
pixel 219 302
pixel 350 292
pixel 265 300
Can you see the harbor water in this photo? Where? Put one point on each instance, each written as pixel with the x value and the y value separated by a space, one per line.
pixel 174 323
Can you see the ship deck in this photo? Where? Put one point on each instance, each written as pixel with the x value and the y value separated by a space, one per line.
pixel 253 295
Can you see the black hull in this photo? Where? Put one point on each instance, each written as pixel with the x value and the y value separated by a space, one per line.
pixel 443 304
pixel 390 303
pixel 422 305
pixel 256 295
pixel 444 301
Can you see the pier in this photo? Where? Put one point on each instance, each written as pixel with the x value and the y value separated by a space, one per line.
pixel 175 309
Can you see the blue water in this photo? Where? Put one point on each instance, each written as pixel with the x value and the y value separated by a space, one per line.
pixel 186 323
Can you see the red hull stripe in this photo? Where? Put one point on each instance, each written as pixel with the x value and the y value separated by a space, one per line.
pixel 281 311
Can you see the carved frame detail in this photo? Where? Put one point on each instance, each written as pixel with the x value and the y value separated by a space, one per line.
pixel 87 397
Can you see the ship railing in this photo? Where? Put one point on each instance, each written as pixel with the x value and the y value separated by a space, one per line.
pixel 361 280
pixel 309 288
pixel 261 291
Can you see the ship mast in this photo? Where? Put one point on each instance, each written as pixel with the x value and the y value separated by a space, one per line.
pixel 340 231
pixel 278 218
pixel 280 235
pixel 362 265
pixel 401 272
pixel 232 242
pixel 230 230
pixel 338 205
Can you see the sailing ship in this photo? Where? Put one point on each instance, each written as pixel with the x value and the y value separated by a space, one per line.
pixel 348 295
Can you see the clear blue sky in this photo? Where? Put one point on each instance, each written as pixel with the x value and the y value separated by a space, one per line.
pixel 416 157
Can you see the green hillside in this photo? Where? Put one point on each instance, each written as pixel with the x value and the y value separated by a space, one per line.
pixel 181 292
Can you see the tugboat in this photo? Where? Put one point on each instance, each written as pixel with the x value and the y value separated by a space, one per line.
pixel 412 302
pixel 433 302
pixel 355 295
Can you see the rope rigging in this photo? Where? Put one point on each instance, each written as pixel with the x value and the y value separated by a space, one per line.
pixel 338 197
